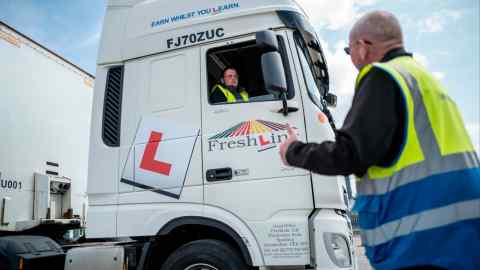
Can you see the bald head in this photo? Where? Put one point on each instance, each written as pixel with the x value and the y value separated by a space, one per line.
pixel 379 27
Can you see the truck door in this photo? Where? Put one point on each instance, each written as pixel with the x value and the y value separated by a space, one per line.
pixel 243 173
pixel 160 153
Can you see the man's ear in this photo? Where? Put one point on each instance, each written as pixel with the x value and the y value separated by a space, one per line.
pixel 222 80
pixel 363 53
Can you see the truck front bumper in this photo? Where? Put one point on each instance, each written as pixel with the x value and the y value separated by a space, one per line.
pixel 331 238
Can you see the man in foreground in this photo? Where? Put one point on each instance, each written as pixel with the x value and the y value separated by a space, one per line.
pixel 419 177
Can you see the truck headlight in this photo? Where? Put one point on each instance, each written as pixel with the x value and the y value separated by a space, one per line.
pixel 338 249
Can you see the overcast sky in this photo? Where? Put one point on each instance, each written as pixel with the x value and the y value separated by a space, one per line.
pixel 442 34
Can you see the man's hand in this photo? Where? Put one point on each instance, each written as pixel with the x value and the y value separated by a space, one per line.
pixel 292 137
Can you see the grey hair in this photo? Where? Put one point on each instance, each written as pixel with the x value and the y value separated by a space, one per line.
pixel 378 26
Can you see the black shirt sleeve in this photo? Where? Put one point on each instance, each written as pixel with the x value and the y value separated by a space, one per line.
pixel 371 133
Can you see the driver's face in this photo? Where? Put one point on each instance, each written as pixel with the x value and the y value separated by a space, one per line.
pixel 230 77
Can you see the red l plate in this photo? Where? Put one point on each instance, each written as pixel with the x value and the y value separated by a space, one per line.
pixel 148 161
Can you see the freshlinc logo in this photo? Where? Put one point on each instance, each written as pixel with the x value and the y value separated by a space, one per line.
pixel 263 135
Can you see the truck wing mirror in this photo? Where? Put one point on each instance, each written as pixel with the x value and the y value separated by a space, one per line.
pixel 267 41
pixel 274 77
pixel 274 74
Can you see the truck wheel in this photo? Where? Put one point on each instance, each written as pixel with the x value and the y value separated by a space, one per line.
pixel 205 255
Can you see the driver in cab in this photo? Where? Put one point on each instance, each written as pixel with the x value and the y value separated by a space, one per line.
pixel 228 89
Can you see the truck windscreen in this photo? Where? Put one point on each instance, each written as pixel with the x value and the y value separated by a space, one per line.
pixel 298 22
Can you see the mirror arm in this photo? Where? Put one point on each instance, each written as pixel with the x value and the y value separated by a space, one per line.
pixel 283 96
pixel 285 104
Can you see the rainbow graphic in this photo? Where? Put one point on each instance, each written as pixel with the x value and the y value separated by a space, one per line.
pixel 250 128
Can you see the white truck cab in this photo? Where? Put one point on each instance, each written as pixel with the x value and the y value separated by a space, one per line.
pixel 202 183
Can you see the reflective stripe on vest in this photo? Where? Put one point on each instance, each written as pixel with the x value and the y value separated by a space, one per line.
pixel 425 220
pixel 231 98
pixel 433 183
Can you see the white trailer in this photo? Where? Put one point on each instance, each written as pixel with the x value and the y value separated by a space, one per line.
pixel 45 114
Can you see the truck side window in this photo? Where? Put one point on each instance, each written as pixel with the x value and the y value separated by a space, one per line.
pixel 305 62
pixel 241 64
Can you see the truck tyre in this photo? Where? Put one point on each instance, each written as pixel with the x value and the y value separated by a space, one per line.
pixel 205 254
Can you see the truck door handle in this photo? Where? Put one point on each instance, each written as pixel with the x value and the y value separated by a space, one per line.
pixel 220 174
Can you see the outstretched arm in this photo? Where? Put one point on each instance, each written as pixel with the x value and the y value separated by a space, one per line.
pixel 371 134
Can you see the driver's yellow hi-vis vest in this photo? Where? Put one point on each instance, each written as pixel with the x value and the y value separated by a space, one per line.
pixel 229 95
pixel 423 209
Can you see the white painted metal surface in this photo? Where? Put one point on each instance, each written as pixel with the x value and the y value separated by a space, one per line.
pixel 165 92
pixel 45 115
pixel 135 28
pixel 323 222
pixel 94 258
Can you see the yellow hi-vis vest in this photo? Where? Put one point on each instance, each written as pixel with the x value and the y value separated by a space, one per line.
pixel 231 98
pixel 424 208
